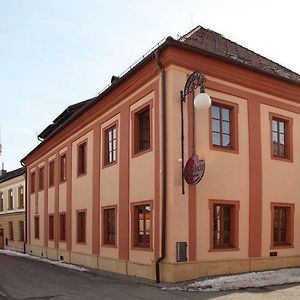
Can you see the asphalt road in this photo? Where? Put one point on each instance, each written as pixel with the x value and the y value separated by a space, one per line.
pixel 21 278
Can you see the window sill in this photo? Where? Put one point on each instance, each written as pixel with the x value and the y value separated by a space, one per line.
pixel 226 249
pixel 139 248
pixel 233 150
pixel 109 246
pixel 80 175
pixel 107 164
pixel 136 154
pixel 81 243
pixel 282 246
pixel 286 159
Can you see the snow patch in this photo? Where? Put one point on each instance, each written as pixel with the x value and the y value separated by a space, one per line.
pixel 52 262
pixel 242 281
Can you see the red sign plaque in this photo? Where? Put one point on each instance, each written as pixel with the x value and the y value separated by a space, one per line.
pixel 194 170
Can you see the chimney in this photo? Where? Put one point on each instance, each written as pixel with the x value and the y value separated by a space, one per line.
pixel 2 171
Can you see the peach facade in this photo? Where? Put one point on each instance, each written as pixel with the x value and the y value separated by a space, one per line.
pixel 248 178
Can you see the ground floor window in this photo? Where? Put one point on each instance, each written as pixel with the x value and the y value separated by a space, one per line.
pixel 81 226
pixel 142 224
pixel 62 226
pixel 224 224
pixel 21 230
pixel 109 226
pixel 51 227
pixel 10 231
pixel 282 224
pixel 36 227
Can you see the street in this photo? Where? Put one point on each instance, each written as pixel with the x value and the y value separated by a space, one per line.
pixel 22 278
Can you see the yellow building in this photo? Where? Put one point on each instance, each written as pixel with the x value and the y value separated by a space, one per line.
pixel 105 186
pixel 12 210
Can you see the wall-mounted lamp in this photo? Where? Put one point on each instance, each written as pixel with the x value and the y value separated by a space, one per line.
pixel 193 170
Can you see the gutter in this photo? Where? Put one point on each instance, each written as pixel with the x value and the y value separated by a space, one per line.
pixel 25 205
pixel 164 167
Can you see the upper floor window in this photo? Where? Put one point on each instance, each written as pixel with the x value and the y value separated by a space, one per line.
pixel 110 145
pixel 32 182
pixel 142 130
pixel 1 202
pixel 82 157
pixel 223 126
pixel 51 173
pixel 63 168
pixel 41 178
pixel 281 137
pixel 21 196
pixel 10 199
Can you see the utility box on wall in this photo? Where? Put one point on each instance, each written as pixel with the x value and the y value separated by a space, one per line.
pixel 181 248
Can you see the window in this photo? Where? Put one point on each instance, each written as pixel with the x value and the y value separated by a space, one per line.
pixel 142 225
pixel 51 173
pixel 63 168
pixel 10 231
pixel 224 224
pixel 51 227
pixel 110 144
pixel 81 154
pixel 282 224
pixel 41 179
pixel 21 196
pixel 36 227
pixel 32 182
pixel 109 226
pixel 142 130
pixel 281 137
pixel 223 125
pixel 81 226
pixel 1 201
pixel 10 199
pixel 21 231
pixel 62 226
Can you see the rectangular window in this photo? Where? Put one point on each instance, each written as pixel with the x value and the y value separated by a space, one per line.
pixel 142 130
pixel 51 173
pixel 32 182
pixel 223 126
pixel 224 224
pixel 281 137
pixel 21 231
pixel 41 179
pixel 63 168
pixel 10 199
pixel 21 196
pixel 81 226
pixel 62 227
pixel 109 226
pixel 36 227
pixel 10 231
pixel 81 153
pixel 51 227
pixel 110 145
pixel 282 224
pixel 1 202
pixel 142 225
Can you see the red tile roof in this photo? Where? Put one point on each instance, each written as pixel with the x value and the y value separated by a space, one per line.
pixel 215 43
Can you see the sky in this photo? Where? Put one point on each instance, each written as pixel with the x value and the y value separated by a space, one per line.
pixel 59 52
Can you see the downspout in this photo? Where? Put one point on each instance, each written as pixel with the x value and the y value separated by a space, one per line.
pixel 25 194
pixel 164 167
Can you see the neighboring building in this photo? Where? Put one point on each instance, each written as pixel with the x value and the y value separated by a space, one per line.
pixel 105 184
pixel 12 210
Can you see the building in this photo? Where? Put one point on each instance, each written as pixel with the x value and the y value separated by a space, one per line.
pixel 105 185
pixel 12 210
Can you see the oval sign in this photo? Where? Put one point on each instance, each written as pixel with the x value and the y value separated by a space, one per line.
pixel 194 170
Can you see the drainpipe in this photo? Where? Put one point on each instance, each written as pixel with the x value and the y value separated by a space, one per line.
pixel 164 167
pixel 25 202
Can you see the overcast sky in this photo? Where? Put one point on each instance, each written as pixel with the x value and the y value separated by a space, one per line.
pixel 56 53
